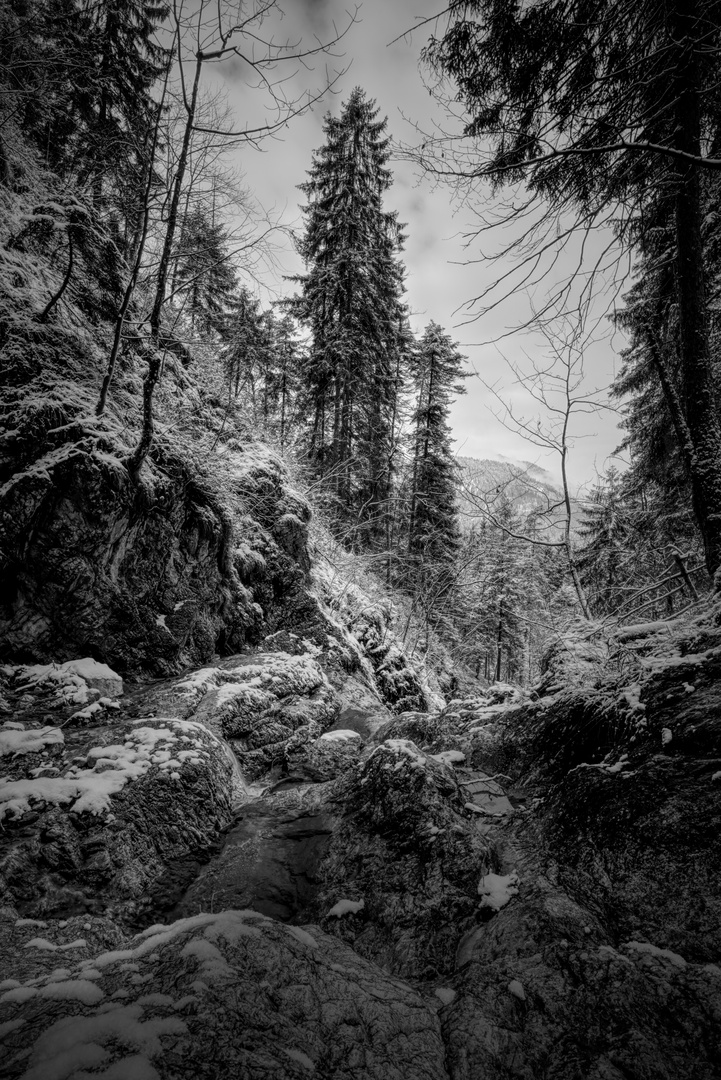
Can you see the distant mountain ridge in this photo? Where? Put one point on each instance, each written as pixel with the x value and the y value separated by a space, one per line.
pixel 529 489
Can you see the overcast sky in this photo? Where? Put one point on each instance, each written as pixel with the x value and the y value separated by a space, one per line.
pixel 440 278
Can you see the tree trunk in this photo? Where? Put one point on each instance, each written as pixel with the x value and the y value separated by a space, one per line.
pixel 137 260
pixel 155 362
pixel 56 297
pixel 697 366
pixel 499 641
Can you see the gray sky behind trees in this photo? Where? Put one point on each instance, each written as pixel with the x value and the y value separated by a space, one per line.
pixel 440 281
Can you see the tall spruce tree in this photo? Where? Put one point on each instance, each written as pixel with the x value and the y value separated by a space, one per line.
pixel 351 301
pixel 203 270
pixel 433 534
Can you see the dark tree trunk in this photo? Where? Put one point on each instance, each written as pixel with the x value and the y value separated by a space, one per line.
pixel 155 363
pixel 698 383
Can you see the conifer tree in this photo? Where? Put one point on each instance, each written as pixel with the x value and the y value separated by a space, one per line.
pixel 351 301
pixel 433 528
pixel 204 273
pixel 603 544
pixel 78 78
pixel 243 331
pixel 281 375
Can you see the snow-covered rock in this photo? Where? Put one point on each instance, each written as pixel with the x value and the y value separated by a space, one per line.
pixel 229 994
pixel 95 820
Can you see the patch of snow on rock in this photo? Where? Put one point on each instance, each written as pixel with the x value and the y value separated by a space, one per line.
pixel 449 757
pixel 346 907
pixel 653 950
pixel 13 741
pixel 496 890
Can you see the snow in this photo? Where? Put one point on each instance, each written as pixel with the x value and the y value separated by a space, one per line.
pixel 14 741
pixel 74 679
pixel 631 694
pixel 346 907
pixel 19 994
pixel 496 890
pixel 609 953
pixel 666 736
pixel 10 1026
pixel 90 789
pixel 653 950
pixel 73 990
pixel 40 943
pixel 92 671
pixel 404 747
pixel 716 776
pixel 75 1043
pixel 299 1056
pixel 302 936
pixel 340 735
pixel 449 757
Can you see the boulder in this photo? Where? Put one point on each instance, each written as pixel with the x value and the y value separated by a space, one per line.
pixel 229 994
pixel 542 990
pixel 404 846
pixel 111 819
pixel 255 701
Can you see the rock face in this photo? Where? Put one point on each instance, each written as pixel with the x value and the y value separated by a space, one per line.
pixel 105 820
pixel 649 810
pixel 152 572
pixel 137 573
pixel 116 810
pixel 232 994
pixel 543 990
pixel 406 847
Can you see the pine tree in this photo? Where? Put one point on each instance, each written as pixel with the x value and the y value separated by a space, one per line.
pixel 203 271
pixel 79 79
pixel 351 301
pixel 433 527
pixel 603 545
pixel 242 330
pixel 281 376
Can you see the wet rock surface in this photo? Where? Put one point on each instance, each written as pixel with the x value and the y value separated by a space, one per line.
pixel 117 809
pixel 270 857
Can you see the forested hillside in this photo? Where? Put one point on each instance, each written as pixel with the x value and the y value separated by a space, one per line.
pixel 327 750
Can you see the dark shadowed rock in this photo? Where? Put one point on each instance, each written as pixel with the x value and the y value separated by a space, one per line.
pixel 270 857
pixel 135 572
pixel 405 847
pixel 543 991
